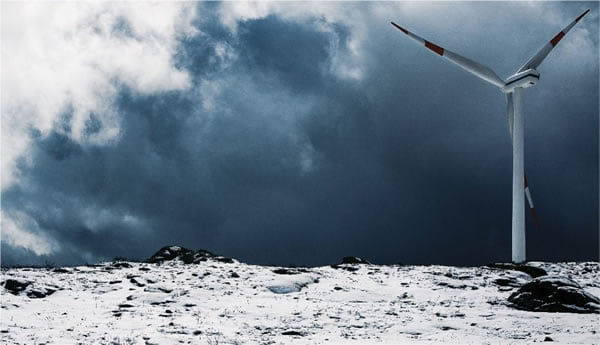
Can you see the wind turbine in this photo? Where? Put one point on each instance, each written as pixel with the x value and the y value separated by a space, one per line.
pixel 513 86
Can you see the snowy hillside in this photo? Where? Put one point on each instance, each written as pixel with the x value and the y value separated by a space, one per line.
pixel 198 298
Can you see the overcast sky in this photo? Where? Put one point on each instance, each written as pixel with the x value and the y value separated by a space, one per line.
pixel 292 133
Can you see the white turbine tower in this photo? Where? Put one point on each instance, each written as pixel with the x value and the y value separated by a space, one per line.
pixel 513 86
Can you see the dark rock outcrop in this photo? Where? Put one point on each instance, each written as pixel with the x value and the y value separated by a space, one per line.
pixel 510 281
pixel 187 256
pixel 348 268
pixel 121 264
pixel 554 294
pixel 533 271
pixel 136 280
pixel 349 263
pixel 354 260
pixel 15 286
pixel 197 257
pixel 290 271
pixel 169 253
pixel 223 259
pixel 40 292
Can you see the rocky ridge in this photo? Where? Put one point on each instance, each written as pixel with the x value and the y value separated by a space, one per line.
pixel 181 295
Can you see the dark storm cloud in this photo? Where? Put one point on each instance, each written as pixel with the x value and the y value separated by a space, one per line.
pixel 291 163
pixel 292 52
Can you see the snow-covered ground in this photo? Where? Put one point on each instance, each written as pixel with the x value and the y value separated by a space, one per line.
pixel 235 303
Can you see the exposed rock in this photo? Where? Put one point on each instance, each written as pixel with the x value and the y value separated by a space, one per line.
pixel 453 285
pixel 40 292
pixel 169 253
pixel 510 281
pixel 137 281
pixel 224 259
pixel 205 252
pixel 15 286
pixel 61 270
pixel 158 289
pixel 354 260
pixel 345 267
pixel 285 271
pixel 197 257
pixel 187 256
pixel 290 271
pixel 294 333
pixel 554 294
pixel 459 277
pixel 348 263
pixel 533 271
pixel 121 264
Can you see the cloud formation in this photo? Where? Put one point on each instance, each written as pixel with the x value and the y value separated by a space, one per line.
pixel 63 67
pixel 71 59
pixel 286 133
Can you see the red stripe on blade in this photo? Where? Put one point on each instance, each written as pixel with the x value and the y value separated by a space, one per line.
pixel 400 28
pixel 434 47
pixel 525 181
pixel 557 38
pixel 581 16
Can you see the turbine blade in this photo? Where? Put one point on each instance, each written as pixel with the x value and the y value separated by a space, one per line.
pixel 530 202
pixel 537 59
pixel 469 65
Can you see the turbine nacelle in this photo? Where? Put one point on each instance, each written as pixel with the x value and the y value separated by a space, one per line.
pixel 527 78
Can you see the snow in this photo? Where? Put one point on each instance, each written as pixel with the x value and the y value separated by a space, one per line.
pixel 207 304
pixel 289 284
